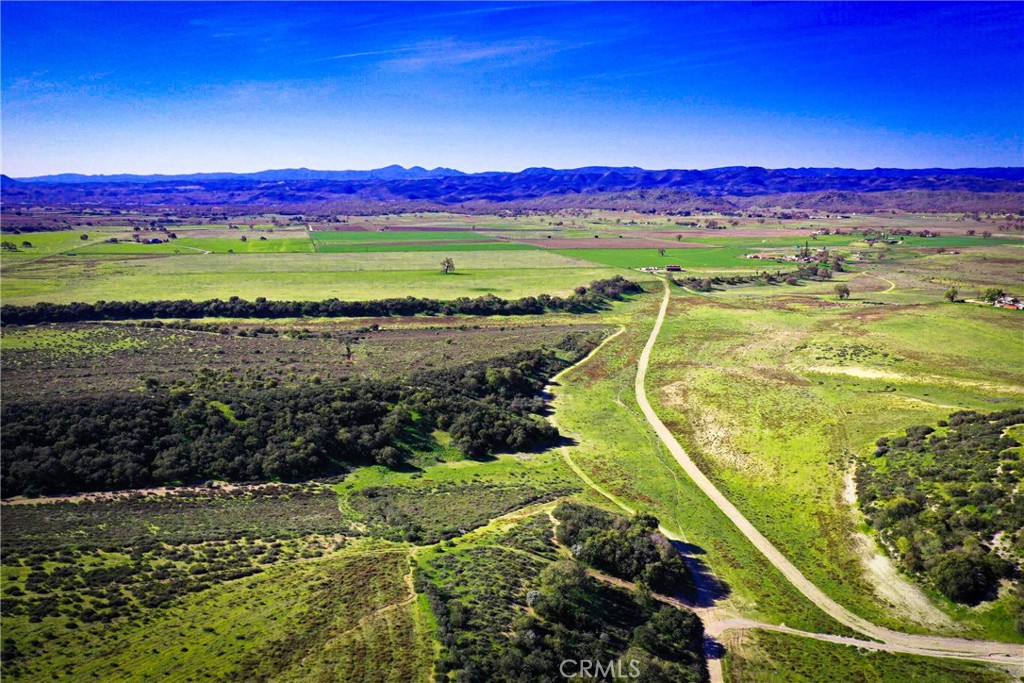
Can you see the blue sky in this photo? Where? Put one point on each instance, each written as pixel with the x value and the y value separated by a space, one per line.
pixel 180 87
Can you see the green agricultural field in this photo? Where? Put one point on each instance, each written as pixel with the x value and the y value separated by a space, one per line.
pixel 304 277
pixel 191 245
pixel 798 239
pixel 716 258
pixel 801 237
pixel 365 236
pixel 46 243
pixel 377 247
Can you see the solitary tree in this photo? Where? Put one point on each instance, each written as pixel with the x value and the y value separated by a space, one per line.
pixel 993 294
pixel 84 237
pixel 951 294
pixel 447 265
pixel 842 291
pixel 661 252
pixel 986 234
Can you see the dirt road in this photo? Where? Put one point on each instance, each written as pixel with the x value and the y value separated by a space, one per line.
pixel 1006 654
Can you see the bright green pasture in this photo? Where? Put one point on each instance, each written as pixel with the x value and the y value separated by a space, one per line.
pixel 544 470
pixel 799 238
pixel 397 236
pixel 962 241
pixel 305 277
pixel 243 227
pixel 190 245
pixel 710 258
pixel 46 243
pixel 345 247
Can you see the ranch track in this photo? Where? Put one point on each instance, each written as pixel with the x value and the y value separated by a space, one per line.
pixel 1005 655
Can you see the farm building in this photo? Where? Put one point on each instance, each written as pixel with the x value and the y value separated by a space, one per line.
pixel 1008 301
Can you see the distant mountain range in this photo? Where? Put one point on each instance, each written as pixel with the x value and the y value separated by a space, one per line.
pixel 393 172
pixel 398 188
pixel 396 172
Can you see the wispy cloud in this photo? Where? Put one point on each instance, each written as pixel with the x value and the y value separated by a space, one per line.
pixel 455 53
pixel 374 53
pixel 251 28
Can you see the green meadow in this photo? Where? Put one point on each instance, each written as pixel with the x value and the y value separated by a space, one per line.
pixel 192 245
pixel 618 455
pixel 301 277
pixel 777 399
pixel 345 247
pixel 718 258
pixel 397 236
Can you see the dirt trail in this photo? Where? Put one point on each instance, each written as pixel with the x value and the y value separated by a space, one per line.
pixel 1006 654
pixel 892 285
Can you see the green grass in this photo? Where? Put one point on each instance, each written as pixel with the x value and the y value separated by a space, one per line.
pixel 801 237
pixel 190 246
pixel 45 243
pixel 345 247
pixel 798 239
pixel 713 258
pixel 69 341
pixel 362 236
pixel 320 617
pixel 728 252
pixel 766 657
pixel 306 277
pixel 619 453
pixel 254 584
pixel 743 386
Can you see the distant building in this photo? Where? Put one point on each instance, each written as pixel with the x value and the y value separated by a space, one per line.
pixel 1008 301
pixel 674 269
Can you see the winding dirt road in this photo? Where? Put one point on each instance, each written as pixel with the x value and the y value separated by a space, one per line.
pixel 1006 655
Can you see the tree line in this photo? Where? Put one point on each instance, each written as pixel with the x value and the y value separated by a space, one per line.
pixel 585 299
pixel 804 271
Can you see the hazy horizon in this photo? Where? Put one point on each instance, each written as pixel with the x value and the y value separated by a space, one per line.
pixel 178 88
pixel 506 171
